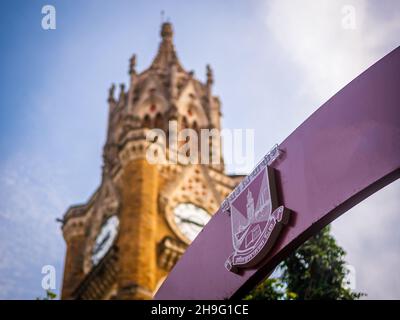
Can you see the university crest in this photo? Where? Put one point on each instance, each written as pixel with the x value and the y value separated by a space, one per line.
pixel 256 217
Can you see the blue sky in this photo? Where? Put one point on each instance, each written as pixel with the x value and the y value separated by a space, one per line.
pixel 275 62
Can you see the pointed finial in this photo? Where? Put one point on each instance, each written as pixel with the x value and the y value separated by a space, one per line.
pixel 111 93
pixel 122 90
pixel 209 73
pixel 166 31
pixel 132 65
pixel 166 55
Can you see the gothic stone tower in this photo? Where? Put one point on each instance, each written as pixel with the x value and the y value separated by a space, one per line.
pixel 122 243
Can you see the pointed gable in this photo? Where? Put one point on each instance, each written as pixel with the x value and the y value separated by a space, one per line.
pixel 189 104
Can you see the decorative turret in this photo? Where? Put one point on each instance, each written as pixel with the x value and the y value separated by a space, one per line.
pixel 210 78
pixel 121 92
pixel 133 76
pixel 111 91
pixel 132 65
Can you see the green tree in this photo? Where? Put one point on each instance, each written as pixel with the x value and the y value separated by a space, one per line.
pixel 49 296
pixel 316 270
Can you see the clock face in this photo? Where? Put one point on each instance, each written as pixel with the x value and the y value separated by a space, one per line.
pixel 105 239
pixel 190 219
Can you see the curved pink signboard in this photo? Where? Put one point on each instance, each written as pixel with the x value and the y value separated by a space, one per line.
pixel 347 150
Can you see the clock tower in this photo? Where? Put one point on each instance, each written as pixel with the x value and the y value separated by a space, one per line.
pixel 124 240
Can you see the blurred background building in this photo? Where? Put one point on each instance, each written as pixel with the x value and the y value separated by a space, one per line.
pixel 123 242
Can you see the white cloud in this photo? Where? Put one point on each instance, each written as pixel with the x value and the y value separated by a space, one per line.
pixel 311 33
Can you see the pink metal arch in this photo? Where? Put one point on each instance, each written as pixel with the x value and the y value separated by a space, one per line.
pixel 344 152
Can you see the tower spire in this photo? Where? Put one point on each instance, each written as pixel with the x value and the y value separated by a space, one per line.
pixel 166 55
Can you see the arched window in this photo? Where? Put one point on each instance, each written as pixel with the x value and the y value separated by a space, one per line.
pixel 146 121
pixel 185 123
pixel 158 122
pixel 195 126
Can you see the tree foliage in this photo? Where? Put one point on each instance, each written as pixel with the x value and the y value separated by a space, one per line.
pixel 316 270
pixel 49 296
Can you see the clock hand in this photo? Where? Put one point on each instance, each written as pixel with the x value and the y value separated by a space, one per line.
pixel 192 222
pixel 101 244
